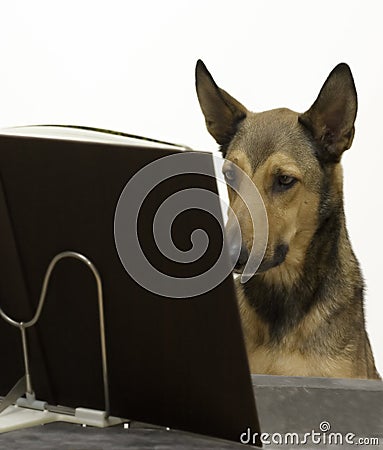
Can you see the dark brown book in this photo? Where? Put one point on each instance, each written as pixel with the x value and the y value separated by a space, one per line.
pixel 176 362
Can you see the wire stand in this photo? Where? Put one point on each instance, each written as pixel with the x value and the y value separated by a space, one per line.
pixel 29 411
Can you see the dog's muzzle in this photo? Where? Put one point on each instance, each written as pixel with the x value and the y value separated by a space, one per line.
pixel 238 261
pixel 279 256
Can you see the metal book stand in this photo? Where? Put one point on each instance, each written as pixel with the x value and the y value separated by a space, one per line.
pixel 17 411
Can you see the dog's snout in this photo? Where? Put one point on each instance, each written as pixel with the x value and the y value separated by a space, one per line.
pixel 243 256
pixel 238 255
pixel 238 252
pixel 233 252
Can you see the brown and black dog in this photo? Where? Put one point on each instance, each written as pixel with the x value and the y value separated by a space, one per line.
pixel 302 312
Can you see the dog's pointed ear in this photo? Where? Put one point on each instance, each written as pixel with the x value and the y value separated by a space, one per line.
pixel 331 118
pixel 222 112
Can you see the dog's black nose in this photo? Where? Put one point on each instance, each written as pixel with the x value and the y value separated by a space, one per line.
pixel 243 256
pixel 238 261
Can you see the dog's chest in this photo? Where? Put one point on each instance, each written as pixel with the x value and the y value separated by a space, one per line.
pixel 263 360
pixel 294 354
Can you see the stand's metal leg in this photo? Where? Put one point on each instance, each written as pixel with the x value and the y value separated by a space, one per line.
pixel 26 359
pixel 24 325
pixel 16 392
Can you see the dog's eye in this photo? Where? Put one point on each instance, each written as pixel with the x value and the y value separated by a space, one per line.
pixel 286 180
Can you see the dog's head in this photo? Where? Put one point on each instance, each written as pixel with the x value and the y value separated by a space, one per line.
pixel 292 159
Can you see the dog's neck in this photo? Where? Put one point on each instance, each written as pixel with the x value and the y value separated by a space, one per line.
pixel 282 296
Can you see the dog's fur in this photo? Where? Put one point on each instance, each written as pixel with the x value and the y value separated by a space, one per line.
pixel 302 313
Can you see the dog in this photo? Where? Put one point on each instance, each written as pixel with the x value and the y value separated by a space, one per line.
pixel 302 312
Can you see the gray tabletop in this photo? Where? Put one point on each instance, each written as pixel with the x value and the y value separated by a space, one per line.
pixel 290 410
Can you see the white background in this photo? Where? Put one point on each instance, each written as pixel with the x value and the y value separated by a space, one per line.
pixel 129 66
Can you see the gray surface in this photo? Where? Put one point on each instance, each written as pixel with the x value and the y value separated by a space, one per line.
pixel 63 436
pixel 300 405
pixel 285 405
